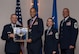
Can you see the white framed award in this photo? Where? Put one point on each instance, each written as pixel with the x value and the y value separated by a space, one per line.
pixel 20 34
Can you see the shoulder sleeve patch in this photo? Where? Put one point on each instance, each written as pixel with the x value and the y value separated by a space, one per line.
pixel 56 35
pixel 76 25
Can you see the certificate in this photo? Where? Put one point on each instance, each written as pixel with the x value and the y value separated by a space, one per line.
pixel 20 34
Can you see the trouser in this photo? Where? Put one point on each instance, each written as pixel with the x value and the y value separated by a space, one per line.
pixel 67 51
pixel 50 52
pixel 12 53
pixel 34 50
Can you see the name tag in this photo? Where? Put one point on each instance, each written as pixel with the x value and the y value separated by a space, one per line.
pixel 8 32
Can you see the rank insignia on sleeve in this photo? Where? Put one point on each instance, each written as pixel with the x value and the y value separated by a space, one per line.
pixel 75 25
pixel 56 35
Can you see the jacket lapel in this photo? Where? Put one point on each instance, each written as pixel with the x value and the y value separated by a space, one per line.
pixel 33 22
pixel 10 28
pixel 50 30
pixel 64 22
pixel 68 22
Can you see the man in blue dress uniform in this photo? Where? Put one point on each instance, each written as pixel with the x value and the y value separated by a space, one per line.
pixel 11 47
pixel 35 25
pixel 68 33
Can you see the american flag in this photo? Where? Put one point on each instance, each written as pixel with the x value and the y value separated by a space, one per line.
pixel 18 12
pixel 19 16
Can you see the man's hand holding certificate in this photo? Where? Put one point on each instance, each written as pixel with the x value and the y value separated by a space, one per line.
pixel 11 35
pixel 29 40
